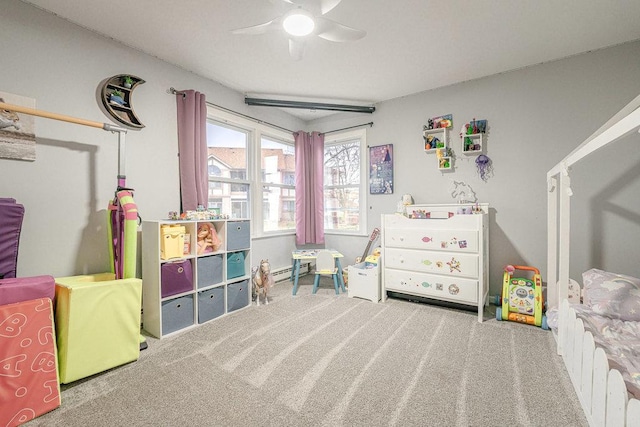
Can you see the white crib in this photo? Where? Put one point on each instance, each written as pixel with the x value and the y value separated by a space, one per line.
pixel 602 391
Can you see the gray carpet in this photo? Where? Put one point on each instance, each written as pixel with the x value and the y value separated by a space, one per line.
pixel 327 360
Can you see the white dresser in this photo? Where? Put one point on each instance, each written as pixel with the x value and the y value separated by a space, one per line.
pixel 444 257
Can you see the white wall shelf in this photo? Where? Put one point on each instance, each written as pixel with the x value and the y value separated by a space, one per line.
pixel 435 138
pixel 473 144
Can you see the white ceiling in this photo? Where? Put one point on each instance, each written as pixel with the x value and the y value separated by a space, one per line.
pixel 410 46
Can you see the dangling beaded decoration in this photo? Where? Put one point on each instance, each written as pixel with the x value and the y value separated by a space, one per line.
pixel 485 168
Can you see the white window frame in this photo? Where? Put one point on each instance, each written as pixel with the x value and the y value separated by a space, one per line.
pixel 344 136
pixel 257 131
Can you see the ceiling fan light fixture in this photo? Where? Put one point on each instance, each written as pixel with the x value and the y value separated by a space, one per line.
pixel 299 23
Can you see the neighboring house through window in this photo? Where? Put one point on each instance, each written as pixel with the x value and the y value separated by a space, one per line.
pixel 248 182
pixel 252 175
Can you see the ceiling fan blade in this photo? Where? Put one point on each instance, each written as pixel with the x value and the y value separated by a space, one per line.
pixel 296 49
pixel 275 24
pixel 335 32
pixel 318 6
pixel 327 5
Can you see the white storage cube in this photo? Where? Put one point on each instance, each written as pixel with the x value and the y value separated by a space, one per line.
pixel 365 282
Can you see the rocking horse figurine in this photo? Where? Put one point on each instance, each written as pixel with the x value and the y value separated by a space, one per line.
pixel 262 281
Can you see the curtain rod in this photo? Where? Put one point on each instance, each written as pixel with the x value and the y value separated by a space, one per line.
pixel 174 92
pixel 347 128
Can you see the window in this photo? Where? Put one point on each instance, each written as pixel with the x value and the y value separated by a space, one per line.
pixel 344 183
pixel 251 172
pixel 277 164
pixel 228 169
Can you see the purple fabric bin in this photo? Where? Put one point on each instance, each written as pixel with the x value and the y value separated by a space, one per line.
pixel 176 277
pixel 27 288
pixel 11 215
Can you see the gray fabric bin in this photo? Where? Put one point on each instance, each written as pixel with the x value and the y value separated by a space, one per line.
pixel 177 314
pixel 209 270
pixel 210 304
pixel 238 235
pixel 237 295
pixel 235 265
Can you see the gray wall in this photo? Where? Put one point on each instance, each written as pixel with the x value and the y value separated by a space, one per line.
pixel 67 189
pixel 536 116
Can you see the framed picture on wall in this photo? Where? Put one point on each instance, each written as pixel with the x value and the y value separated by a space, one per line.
pixel 381 169
pixel 17 134
pixel 445 121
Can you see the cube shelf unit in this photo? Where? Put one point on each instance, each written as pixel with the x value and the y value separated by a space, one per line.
pixel 185 291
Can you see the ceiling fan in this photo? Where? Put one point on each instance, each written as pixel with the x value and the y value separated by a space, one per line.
pixel 306 19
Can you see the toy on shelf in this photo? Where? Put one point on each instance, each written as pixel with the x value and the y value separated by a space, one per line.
pixel 521 299
pixel 444 158
pixel 472 136
pixel 208 240
pixel 431 142
pixel 201 214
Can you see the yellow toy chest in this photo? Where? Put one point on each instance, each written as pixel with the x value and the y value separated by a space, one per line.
pixel 172 241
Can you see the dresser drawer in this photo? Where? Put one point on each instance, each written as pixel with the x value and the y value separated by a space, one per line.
pixel 439 262
pixel 432 239
pixel 449 288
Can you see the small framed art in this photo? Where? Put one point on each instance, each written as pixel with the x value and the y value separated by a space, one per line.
pixel 381 169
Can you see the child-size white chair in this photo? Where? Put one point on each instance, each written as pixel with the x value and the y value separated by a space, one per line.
pixel 325 266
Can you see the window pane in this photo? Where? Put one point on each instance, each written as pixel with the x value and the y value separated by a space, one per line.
pixel 342 208
pixel 277 166
pixel 342 164
pixel 232 199
pixel 227 158
pixel 279 208
pixel 342 182
pixel 227 151
pixel 277 162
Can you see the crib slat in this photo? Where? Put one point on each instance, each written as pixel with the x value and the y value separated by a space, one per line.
pixel 599 395
pixel 567 347
pixel 633 413
pixel 616 399
pixel 588 347
pixel 578 337
pixel 562 325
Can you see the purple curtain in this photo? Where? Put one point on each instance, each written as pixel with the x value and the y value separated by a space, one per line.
pixel 309 187
pixel 192 148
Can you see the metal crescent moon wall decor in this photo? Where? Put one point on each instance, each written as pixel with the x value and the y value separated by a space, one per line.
pixel 117 94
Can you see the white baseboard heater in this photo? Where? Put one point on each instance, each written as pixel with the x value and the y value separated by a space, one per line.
pixel 284 273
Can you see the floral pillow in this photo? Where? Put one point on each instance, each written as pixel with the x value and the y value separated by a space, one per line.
pixel 612 295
